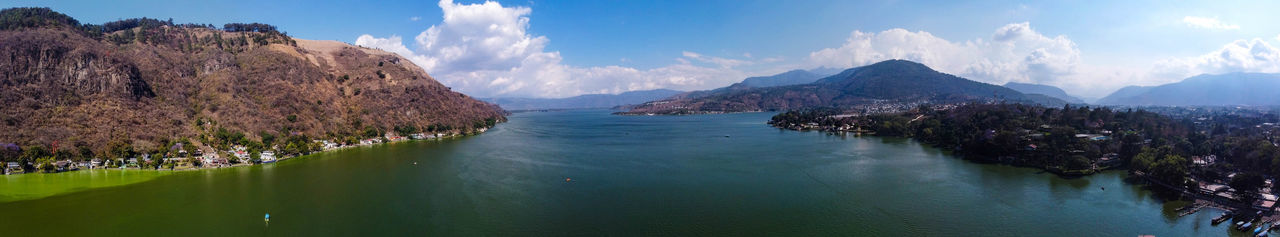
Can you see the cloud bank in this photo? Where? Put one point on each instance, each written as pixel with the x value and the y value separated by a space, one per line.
pixel 485 50
pixel 1208 23
pixel 1254 55
pixel 1014 52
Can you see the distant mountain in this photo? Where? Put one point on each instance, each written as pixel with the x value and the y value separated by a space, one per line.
pixel 793 77
pixel 825 71
pixel 1126 92
pixel 583 101
pixel 1223 89
pixel 888 81
pixel 1047 90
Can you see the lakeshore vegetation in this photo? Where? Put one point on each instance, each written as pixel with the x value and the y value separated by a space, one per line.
pixel 1198 146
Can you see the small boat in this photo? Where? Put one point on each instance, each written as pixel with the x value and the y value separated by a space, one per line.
pixel 1263 234
pixel 1224 217
pixel 1260 228
pixel 1245 226
pixel 267 217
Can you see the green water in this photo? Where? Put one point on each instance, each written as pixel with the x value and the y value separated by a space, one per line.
pixel 720 175
pixel 34 186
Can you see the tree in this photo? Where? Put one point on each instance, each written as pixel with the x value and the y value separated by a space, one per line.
pixel 46 164
pixel 370 131
pixel 268 139
pixel 121 149
pixel 31 153
pixel 1078 162
pixel 1246 185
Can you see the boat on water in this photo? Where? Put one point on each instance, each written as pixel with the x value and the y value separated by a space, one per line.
pixel 1245 226
pixel 1261 227
pixel 1224 217
pixel 267 218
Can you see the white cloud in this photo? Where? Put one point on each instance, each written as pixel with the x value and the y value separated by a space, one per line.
pixel 721 62
pixel 415 18
pixel 1208 23
pixel 1254 55
pixel 485 50
pixel 1015 52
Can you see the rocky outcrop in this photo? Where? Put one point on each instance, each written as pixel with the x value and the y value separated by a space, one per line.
pixel 174 82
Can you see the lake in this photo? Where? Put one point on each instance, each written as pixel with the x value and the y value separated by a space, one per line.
pixel 589 173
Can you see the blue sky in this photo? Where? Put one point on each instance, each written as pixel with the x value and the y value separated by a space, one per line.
pixel 565 48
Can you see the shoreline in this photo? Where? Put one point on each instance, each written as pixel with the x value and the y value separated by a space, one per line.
pixel 996 160
pixel 35 185
pixel 278 160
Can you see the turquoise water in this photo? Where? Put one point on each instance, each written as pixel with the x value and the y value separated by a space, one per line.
pixel 588 173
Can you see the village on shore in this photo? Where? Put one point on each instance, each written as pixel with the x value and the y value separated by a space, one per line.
pixel 206 157
pixel 1216 157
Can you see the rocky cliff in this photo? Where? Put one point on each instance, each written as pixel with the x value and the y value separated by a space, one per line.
pixel 147 83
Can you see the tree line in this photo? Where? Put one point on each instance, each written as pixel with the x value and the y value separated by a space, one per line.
pixel 1076 138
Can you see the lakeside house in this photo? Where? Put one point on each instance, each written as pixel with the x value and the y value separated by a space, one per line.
pixel 327 145
pixel 178 147
pixel 1204 160
pixel 394 137
pixel 212 160
pixel 13 168
pixel 1109 159
pixel 268 157
pixel 62 165
pixel 1094 137
pixel 240 152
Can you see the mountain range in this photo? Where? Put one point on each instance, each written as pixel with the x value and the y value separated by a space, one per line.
pixel 143 82
pixel 888 81
pixel 1051 91
pixel 583 101
pixel 1203 90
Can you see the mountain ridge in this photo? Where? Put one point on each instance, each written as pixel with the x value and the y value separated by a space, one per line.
pixel 891 80
pixel 141 84
pixel 583 101
pixel 1228 89
pixel 1047 90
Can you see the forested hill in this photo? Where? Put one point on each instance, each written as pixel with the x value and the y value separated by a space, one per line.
pixel 142 84
pixel 887 82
